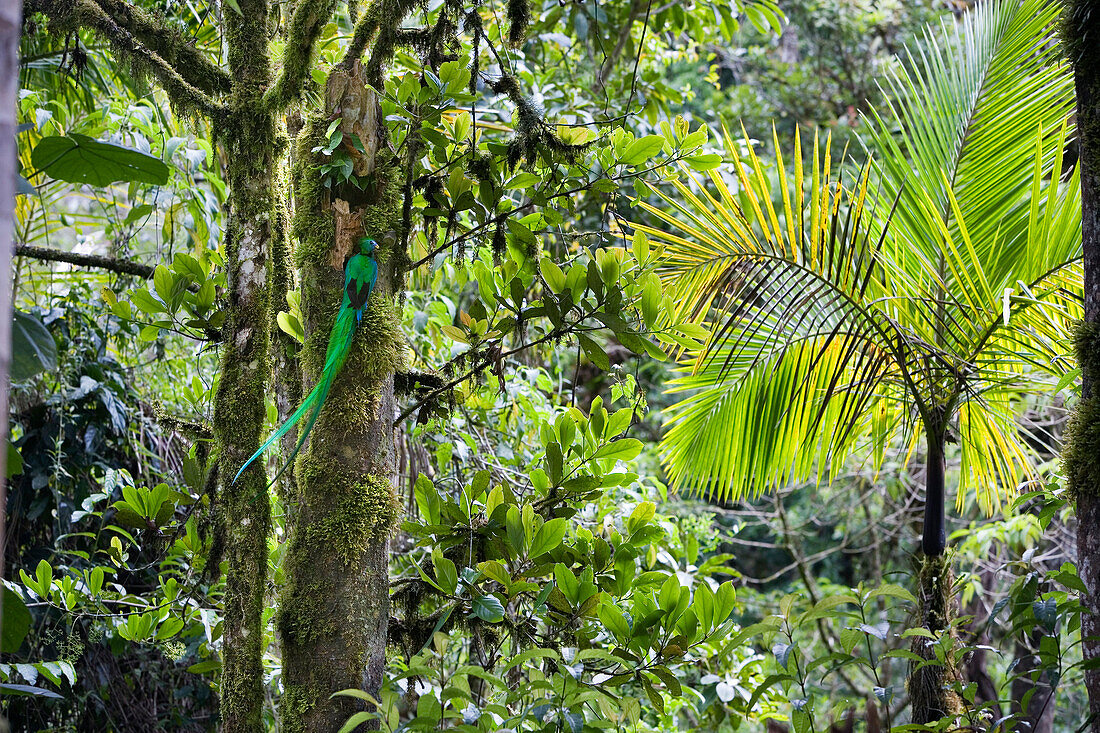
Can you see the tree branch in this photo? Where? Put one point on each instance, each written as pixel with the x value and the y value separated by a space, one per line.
pixel 364 31
pixel 171 45
pixel 309 19
pixel 114 264
pixel 89 14
pixel 382 17
pixel 190 428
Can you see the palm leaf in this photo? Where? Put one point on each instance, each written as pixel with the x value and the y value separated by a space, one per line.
pixel 795 358
pixel 833 317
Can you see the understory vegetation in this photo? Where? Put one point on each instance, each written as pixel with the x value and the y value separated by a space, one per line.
pixel 723 366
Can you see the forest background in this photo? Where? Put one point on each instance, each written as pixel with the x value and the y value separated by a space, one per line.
pixel 685 313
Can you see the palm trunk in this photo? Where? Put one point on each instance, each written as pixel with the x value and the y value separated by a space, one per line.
pixel 335 608
pixel 934 538
pixel 929 686
pixel 1082 444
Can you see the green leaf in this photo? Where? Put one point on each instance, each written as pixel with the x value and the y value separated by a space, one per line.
pixel 611 616
pixel 208 665
pixel 893 591
pixel 16 622
pixel 514 526
pixel 291 326
pixel 669 597
pixel 704 162
pixel 567 582
pixel 548 536
pixel 488 608
pixel 445 572
pixel 1046 612
pixel 77 158
pixel 641 514
pixel 14 466
pixel 362 716
pixel 670 680
pixel 625 449
pixel 12 689
pixel 164 283
pixel 594 352
pixel 553 275
pixel 145 302
pixel 642 149
pixel 651 299
pixel 494 570
pixel 639 243
pixel 33 349
pixel 44 575
pixel 357 694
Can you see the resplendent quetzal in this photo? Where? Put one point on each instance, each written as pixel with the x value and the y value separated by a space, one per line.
pixel 360 275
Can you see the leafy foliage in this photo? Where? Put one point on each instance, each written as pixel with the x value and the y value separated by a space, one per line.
pixel 835 319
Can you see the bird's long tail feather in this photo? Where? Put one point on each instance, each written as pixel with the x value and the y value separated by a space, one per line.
pixel 343 331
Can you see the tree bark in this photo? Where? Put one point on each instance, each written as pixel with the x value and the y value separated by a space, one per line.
pixel 1082 446
pixel 244 516
pixel 335 606
pixel 929 686
pixel 103 262
pixel 934 538
pixel 11 19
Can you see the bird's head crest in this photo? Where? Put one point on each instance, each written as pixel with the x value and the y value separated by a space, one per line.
pixel 367 246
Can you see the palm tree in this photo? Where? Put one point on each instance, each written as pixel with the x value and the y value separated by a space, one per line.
pixel 923 296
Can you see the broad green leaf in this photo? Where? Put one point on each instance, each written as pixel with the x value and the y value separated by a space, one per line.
pixel 488 608
pixel 642 149
pixel 445 572
pixel 624 449
pixel 16 622
pixel 77 158
pixel 594 352
pixel 548 536
pixel 33 349
pixel 612 617
pixel 8 688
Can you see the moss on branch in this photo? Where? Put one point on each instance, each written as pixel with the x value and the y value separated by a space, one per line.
pixel 381 21
pixel 1082 437
pixel 309 19
pixel 171 45
pixel 89 14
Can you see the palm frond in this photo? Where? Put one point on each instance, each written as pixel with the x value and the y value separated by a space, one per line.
pixel 794 357
pixel 796 412
pixel 831 319
pixel 967 111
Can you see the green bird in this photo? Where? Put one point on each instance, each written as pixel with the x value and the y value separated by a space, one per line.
pixel 360 275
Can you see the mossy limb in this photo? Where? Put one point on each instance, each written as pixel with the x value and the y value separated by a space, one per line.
pixel 1081 443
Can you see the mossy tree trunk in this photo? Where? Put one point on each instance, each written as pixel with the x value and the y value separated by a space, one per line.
pixel 1081 457
pixel 334 610
pixel 243 512
pixel 930 686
